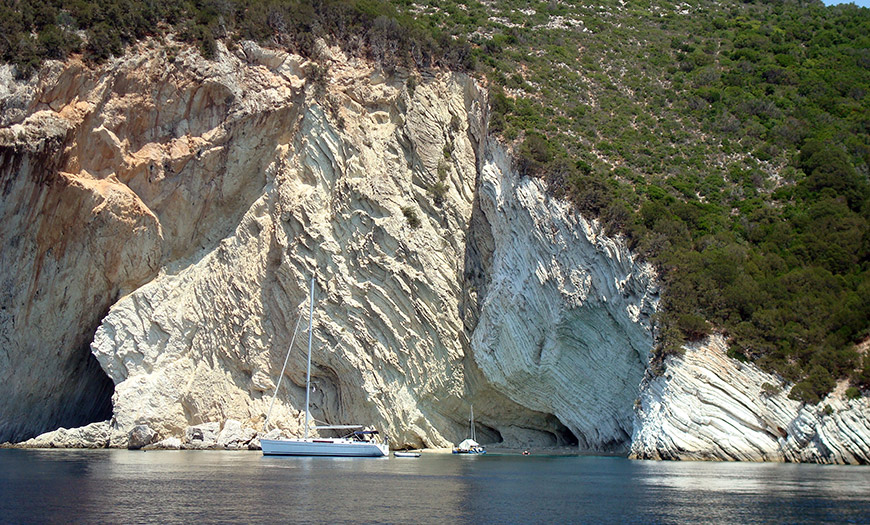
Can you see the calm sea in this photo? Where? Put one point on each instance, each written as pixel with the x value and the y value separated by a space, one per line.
pixel 118 486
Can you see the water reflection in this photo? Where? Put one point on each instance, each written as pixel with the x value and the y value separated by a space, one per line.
pixel 187 486
pixel 758 492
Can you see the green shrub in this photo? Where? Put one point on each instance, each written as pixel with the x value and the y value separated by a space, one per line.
pixel 56 43
pixel 447 151
pixel 103 43
pixel 319 75
pixel 861 377
pixel 693 326
pixel 439 189
pixel 817 383
pixel 534 154
pixel 411 216
pixel 768 389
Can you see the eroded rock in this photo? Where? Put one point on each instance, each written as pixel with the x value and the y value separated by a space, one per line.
pixel 95 435
pixel 167 215
pixel 235 436
pixel 140 436
pixel 708 406
pixel 201 436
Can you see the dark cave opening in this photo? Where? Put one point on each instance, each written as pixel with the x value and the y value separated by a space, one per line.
pixel 84 395
pixel 92 402
pixel 80 393
pixel 567 438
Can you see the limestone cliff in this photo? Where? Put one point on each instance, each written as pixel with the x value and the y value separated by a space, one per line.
pixel 162 216
pixel 707 406
pixel 563 325
pixel 207 193
pixel 351 197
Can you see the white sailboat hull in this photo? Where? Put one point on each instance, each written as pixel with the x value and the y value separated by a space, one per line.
pixel 322 447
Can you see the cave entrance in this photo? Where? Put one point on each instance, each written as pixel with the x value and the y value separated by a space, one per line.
pixel 92 401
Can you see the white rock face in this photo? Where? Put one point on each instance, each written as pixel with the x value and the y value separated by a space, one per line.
pixel 140 436
pixel 707 406
pixel 234 436
pixel 564 323
pixel 95 435
pixel 205 342
pixel 172 443
pixel 161 219
pixel 201 436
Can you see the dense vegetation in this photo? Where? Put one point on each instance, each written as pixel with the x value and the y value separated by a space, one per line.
pixel 730 144
pixel 34 30
pixel 727 140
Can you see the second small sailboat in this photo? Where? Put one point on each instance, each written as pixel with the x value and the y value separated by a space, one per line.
pixel 470 445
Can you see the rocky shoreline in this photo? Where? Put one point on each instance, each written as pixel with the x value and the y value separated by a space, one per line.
pixel 232 435
pixel 707 406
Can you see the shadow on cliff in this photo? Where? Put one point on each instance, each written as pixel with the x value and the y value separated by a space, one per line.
pixel 48 376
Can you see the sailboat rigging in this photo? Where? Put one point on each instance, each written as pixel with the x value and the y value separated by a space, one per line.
pixel 470 445
pixel 359 443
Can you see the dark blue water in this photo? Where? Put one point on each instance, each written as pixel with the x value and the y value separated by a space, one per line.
pixel 118 486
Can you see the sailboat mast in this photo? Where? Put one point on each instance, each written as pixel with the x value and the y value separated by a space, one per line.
pixel 308 372
pixel 473 436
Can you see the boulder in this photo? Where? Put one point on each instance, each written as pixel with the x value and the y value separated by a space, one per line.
pixel 171 443
pixel 201 436
pixel 95 435
pixel 140 436
pixel 235 436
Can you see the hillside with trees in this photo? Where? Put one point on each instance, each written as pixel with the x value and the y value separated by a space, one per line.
pixel 728 141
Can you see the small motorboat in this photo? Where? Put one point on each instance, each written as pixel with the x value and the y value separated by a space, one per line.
pixel 406 454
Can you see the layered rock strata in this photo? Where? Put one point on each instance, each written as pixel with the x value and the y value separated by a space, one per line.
pixel 708 406
pixel 373 196
pixel 242 178
pixel 163 214
pixel 563 320
pixel 348 163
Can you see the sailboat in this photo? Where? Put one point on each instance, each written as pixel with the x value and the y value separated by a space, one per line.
pixel 470 445
pixel 357 443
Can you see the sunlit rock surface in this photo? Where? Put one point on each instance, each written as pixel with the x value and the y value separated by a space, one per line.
pixel 162 216
pixel 707 406
pixel 564 323
pixel 94 435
